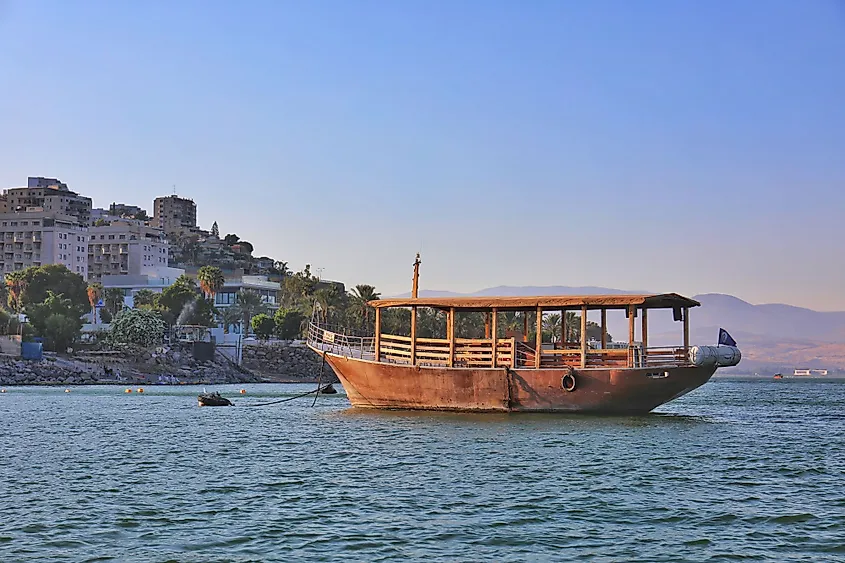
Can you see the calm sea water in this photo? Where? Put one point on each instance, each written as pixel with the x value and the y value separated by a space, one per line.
pixel 738 470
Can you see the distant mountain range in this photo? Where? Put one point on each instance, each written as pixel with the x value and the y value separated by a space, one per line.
pixel 772 336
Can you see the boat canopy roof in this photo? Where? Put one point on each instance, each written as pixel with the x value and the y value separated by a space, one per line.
pixel 651 301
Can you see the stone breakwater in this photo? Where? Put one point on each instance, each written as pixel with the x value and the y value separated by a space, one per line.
pixel 285 361
pixel 136 367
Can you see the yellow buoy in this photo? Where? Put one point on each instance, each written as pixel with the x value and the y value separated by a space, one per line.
pixel 129 390
pixel 243 391
pixel 140 389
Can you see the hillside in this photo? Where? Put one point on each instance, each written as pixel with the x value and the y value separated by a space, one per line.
pixel 773 337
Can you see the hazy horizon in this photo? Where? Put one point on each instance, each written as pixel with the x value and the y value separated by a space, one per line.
pixel 693 148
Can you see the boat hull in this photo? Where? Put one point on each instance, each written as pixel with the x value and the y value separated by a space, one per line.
pixel 597 390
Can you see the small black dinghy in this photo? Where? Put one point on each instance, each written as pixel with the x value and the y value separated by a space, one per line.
pixel 213 400
pixel 328 390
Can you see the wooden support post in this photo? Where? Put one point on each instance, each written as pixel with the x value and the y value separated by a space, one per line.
pixel 450 333
pixel 525 326
pixel 686 329
pixel 413 336
pixel 486 325
pixel 604 329
pixel 377 339
pixel 495 336
pixel 645 336
pixel 538 352
pixel 632 311
pixel 583 336
pixel 564 330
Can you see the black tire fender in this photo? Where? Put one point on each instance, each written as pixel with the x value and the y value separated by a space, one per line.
pixel 567 382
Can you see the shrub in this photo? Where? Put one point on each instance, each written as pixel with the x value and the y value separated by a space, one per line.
pixel 288 323
pixel 137 326
pixel 263 326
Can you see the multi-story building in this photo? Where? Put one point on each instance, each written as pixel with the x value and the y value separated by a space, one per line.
pixel 174 214
pixel 126 247
pixel 52 196
pixel 38 237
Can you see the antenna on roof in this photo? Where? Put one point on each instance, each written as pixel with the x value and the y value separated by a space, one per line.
pixel 174 189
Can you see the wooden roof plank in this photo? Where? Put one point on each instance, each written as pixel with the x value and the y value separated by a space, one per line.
pixel 649 301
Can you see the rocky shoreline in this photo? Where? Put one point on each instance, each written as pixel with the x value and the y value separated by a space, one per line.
pixel 275 363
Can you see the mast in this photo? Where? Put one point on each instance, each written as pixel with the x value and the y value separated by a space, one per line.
pixel 415 288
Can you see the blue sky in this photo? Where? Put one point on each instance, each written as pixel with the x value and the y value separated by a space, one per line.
pixel 671 146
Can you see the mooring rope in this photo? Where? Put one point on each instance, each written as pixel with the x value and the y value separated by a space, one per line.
pixel 315 392
pixel 319 379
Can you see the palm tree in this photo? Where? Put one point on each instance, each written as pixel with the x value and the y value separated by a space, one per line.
pixel 16 282
pixel 211 280
pixel 551 324
pixel 361 295
pixel 282 268
pixel 229 316
pixel 113 299
pixel 329 299
pixel 249 304
pixel 95 292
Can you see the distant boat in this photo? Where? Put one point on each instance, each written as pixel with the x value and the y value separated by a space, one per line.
pixel 778 376
pixel 213 400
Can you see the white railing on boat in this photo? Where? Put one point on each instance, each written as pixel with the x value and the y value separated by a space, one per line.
pixel 335 340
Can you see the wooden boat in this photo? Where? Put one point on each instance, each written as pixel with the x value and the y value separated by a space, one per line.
pixel 213 400
pixel 511 374
pixel 778 376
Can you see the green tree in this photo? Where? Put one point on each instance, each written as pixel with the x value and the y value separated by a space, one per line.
pixel 60 331
pixel 229 316
pixel 105 315
pixel 288 323
pixel 145 297
pixel 141 327
pixel 57 334
pixel 113 299
pixel 360 297
pixel 215 230
pixel 39 280
pixel 249 304
pixel 263 326
pixel 551 326
pixel 174 297
pixel 211 280
pixel 231 239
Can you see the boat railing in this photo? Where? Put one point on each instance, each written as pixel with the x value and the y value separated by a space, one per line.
pixel 338 341
pixel 465 352
pixel 479 353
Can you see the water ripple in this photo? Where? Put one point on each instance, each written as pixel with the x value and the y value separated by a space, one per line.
pixel 737 471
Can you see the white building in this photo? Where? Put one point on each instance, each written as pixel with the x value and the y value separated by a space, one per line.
pixel 36 237
pixel 266 289
pixel 127 248
pixel 154 280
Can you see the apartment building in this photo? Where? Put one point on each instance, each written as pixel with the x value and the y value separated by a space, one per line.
pixel 126 247
pixel 174 214
pixel 38 237
pixel 51 195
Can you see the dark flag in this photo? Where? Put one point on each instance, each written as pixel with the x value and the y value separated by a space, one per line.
pixel 725 338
